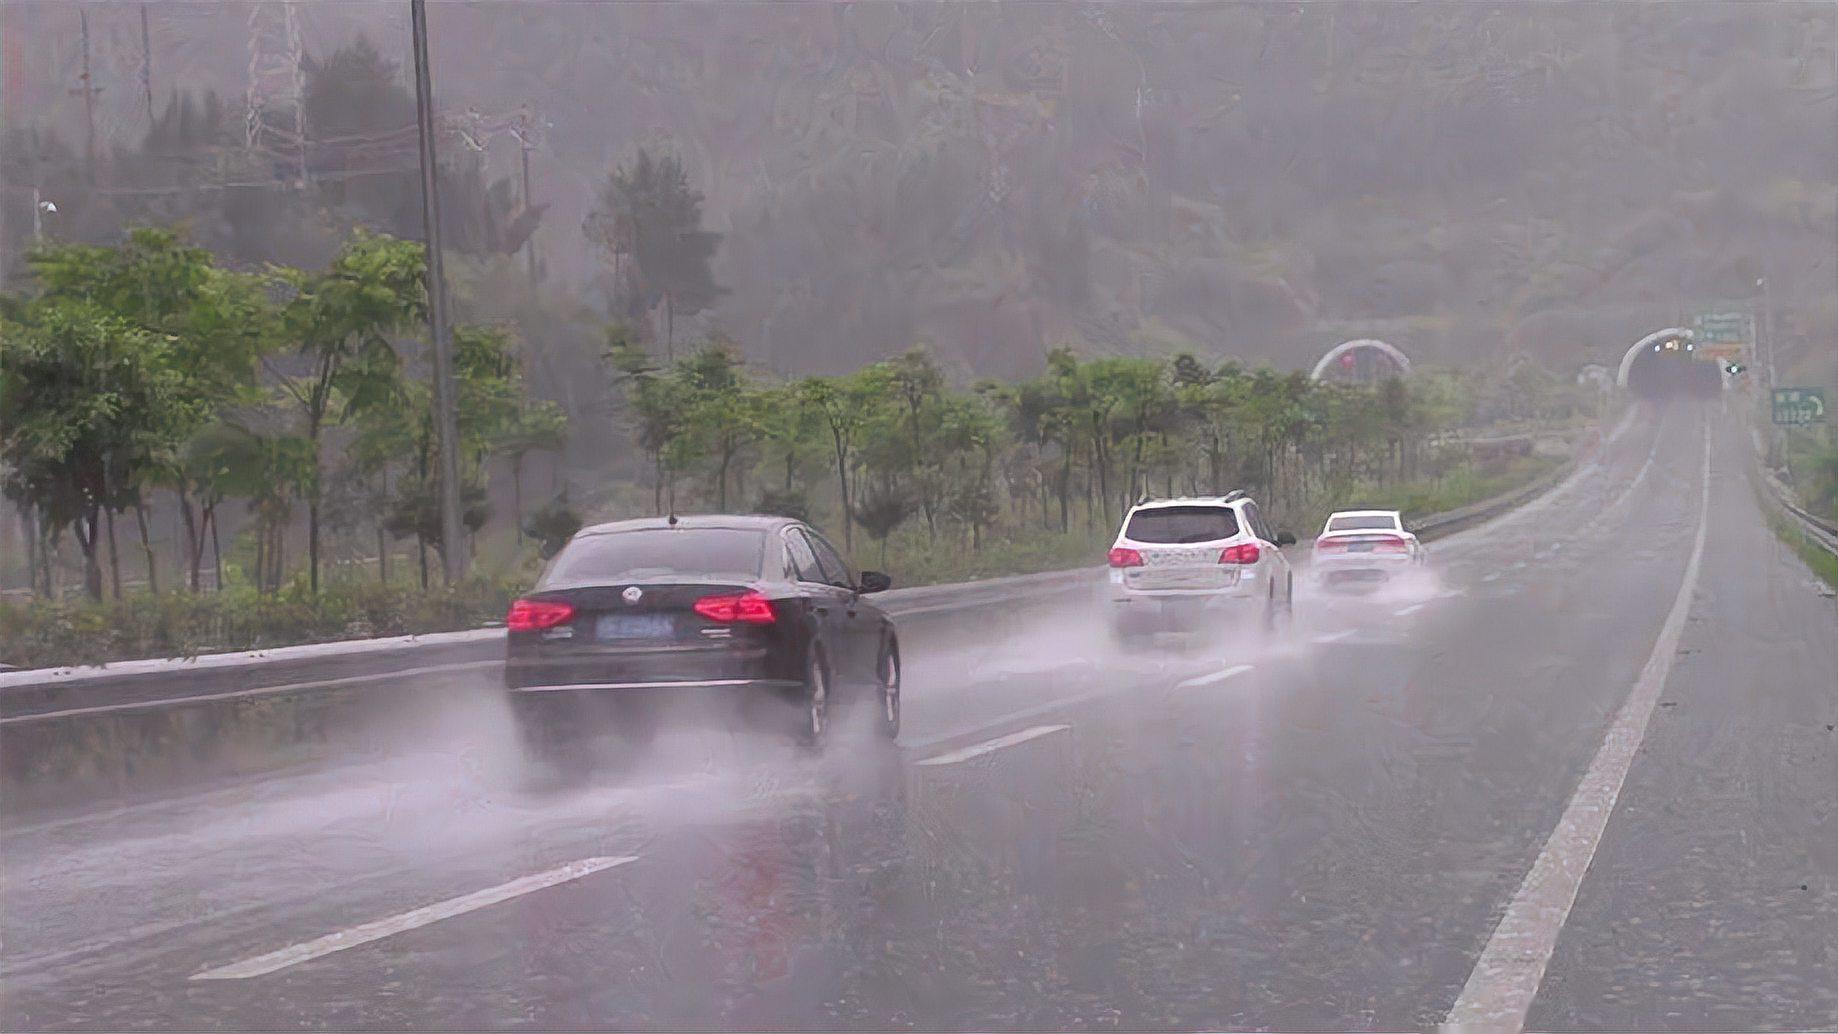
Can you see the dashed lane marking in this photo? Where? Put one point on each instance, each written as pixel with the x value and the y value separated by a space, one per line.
pixel 991 746
pixel 381 928
pixel 1217 676
pixel 1412 609
pixel 1333 637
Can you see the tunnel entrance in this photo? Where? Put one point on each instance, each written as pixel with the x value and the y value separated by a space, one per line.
pixel 1666 365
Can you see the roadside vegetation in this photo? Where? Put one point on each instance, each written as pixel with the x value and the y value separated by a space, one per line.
pixel 143 380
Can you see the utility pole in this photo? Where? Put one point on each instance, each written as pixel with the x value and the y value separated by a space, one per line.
pixel 89 100
pixel 446 417
pixel 529 245
pixel 146 61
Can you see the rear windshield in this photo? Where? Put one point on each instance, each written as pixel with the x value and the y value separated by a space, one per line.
pixel 1169 524
pixel 1378 522
pixel 658 554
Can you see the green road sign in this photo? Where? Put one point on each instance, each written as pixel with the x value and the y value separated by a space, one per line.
pixel 1797 407
pixel 1724 328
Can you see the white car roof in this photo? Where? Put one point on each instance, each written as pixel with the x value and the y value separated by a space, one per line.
pixel 1203 500
pixel 1362 513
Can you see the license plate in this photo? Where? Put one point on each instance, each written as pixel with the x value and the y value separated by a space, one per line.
pixel 633 626
pixel 1360 547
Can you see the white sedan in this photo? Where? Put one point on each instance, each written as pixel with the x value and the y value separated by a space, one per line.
pixel 1365 549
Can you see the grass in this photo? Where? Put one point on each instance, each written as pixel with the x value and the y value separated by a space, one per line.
pixel 40 633
pixel 43 633
pixel 1822 562
pixel 1459 486
pixel 913 559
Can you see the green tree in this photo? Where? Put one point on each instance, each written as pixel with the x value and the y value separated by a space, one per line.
pixel 648 210
pixel 90 400
pixel 724 413
pixel 843 406
pixel 656 401
pixel 341 323
pixel 214 324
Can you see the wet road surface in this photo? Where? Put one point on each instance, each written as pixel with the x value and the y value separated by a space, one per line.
pixel 1318 831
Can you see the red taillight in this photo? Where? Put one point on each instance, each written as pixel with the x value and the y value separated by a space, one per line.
pixel 748 608
pixel 1242 553
pixel 536 615
pixel 1330 546
pixel 1124 556
pixel 1390 545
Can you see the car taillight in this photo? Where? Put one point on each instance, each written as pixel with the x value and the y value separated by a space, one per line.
pixel 1242 553
pixel 536 615
pixel 1124 556
pixel 748 608
pixel 1330 546
pixel 1390 545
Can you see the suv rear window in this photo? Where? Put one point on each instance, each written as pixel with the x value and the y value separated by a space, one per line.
pixel 1172 524
pixel 658 554
pixel 1378 522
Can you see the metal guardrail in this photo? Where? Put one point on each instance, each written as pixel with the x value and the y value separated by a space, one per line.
pixel 1821 531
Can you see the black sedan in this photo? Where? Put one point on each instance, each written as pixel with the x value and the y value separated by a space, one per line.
pixel 631 614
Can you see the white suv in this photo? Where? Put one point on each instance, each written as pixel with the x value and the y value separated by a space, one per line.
pixel 1185 564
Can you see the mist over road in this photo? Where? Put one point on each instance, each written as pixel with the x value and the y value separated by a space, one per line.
pixel 1323 831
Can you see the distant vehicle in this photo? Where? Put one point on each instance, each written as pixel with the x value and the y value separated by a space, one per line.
pixel 1364 549
pixel 631 614
pixel 1197 565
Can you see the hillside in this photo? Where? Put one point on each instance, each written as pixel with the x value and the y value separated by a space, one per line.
pixel 1249 180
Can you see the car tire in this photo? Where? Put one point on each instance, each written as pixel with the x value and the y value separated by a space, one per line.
pixel 1131 640
pixel 888 684
pixel 635 722
pixel 814 701
pixel 549 727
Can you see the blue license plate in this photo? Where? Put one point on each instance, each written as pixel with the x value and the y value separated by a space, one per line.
pixel 633 626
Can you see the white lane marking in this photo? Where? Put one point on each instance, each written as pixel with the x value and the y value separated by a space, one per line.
pixel 381 928
pixel 1640 477
pixel 292 687
pixel 1015 716
pixel 1412 609
pixel 991 746
pixel 1333 637
pixel 1505 980
pixel 1491 577
pixel 1217 676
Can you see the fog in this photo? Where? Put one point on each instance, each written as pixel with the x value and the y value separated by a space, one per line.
pixel 1245 180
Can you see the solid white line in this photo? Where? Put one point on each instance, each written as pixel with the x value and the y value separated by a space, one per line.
pixel 1412 609
pixel 292 687
pixel 1333 637
pixel 1505 980
pixel 1217 676
pixel 990 746
pixel 381 928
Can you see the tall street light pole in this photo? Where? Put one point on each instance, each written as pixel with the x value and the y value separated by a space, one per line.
pixel 446 417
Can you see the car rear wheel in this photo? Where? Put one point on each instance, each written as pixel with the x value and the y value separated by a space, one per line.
pixel 550 728
pixel 889 671
pixel 814 701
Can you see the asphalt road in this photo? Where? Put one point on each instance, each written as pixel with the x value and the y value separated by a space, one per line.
pixel 1323 831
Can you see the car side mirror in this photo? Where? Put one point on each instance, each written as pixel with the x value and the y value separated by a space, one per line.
pixel 1285 538
pixel 875 581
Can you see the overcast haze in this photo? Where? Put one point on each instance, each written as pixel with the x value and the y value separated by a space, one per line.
pixel 1251 180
